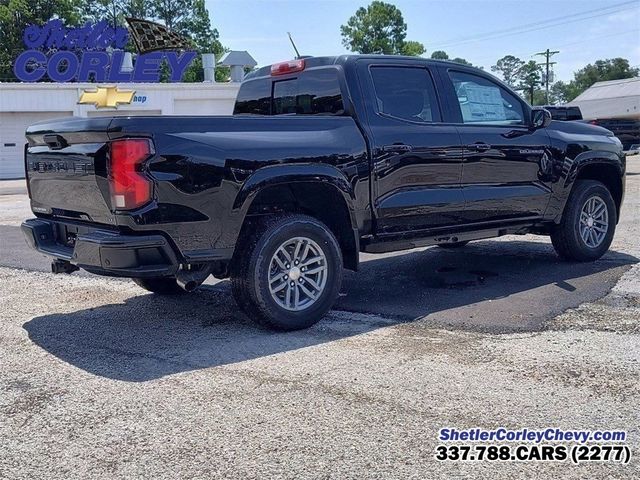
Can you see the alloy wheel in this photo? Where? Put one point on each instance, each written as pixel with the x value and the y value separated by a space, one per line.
pixel 297 274
pixel 594 222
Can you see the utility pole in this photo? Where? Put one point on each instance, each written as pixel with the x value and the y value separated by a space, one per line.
pixel 547 54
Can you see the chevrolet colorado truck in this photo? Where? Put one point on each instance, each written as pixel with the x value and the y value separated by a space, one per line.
pixel 322 158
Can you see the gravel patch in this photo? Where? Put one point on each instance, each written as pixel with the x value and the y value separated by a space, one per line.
pixel 100 380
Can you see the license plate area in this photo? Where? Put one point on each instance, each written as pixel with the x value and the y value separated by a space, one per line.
pixel 71 236
pixel 67 235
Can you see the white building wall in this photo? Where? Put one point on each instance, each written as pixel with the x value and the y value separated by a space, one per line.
pixel 610 99
pixel 22 104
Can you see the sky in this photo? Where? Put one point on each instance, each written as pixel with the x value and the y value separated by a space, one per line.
pixel 481 31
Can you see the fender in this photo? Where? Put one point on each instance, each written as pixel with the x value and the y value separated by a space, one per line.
pixel 300 173
pixel 289 173
pixel 592 158
pixel 571 170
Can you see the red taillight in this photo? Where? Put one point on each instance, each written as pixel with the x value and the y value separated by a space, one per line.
pixel 130 188
pixel 593 122
pixel 287 67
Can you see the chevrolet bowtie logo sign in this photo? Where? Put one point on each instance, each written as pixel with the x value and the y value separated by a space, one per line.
pixel 106 97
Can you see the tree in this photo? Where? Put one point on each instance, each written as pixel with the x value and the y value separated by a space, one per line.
pixel 561 92
pixel 530 78
pixel 462 61
pixel 440 55
pixel 600 71
pixel 539 97
pixel 412 48
pixel 16 15
pixel 508 67
pixel 379 28
pixel 115 11
pixel 190 18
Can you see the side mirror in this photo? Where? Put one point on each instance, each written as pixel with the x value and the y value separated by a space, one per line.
pixel 540 117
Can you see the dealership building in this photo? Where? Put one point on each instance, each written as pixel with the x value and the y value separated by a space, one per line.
pixel 22 104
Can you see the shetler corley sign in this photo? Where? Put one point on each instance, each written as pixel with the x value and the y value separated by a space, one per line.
pixel 95 52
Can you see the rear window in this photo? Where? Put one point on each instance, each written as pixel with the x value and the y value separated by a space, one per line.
pixel 254 98
pixel 562 113
pixel 315 92
pixel 558 114
pixel 574 113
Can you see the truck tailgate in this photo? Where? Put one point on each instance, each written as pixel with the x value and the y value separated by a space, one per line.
pixel 66 168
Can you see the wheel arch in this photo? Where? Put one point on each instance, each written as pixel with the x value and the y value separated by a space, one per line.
pixel 604 167
pixel 317 190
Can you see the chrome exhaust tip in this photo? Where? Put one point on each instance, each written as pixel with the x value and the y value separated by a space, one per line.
pixel 191 278
pixel 188 285
pixel 62 266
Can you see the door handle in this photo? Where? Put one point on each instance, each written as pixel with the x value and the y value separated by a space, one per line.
pixel 479 147
pixel 397 148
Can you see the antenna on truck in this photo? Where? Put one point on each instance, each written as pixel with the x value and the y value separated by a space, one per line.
pixel 294 45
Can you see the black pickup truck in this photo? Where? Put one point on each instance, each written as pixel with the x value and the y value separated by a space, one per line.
pixel 323 158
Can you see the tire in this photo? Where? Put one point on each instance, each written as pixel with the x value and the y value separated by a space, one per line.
pixel 255 271
pixel 161 286
pixel 567 238
pixel 452 246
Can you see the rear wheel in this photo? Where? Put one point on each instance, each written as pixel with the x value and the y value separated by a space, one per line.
pixel 288 273
pixel 588 223
pixel 161 286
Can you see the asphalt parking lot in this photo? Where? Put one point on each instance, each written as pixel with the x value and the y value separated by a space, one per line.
pixel 99 379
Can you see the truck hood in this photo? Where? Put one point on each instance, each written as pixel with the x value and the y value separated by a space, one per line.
pixel 579 127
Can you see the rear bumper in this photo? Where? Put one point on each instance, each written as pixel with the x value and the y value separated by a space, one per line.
pixel 103 252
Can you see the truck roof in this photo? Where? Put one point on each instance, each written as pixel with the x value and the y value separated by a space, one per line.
pixel 311 62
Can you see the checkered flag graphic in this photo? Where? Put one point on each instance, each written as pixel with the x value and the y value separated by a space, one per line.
pixel 149 36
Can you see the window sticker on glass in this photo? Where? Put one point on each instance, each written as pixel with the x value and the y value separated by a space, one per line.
pixel 483 101
pixel 483 104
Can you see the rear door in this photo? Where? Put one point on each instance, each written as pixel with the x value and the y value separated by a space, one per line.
pixel 416 159
pixel 506 167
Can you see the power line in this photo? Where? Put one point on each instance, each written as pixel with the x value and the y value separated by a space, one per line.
pixel 541 25
pixel 518 28
pixel 580 42
pixel 590 40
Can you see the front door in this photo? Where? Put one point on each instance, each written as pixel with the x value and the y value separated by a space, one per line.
pixel 416 159
pixel 506 166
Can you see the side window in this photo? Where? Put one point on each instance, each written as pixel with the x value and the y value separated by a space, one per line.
pixel 406 93
pixel 315 92
pixel 484 102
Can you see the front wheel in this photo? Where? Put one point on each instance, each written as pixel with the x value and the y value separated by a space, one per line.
pixel 588 223
pixel 288 273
